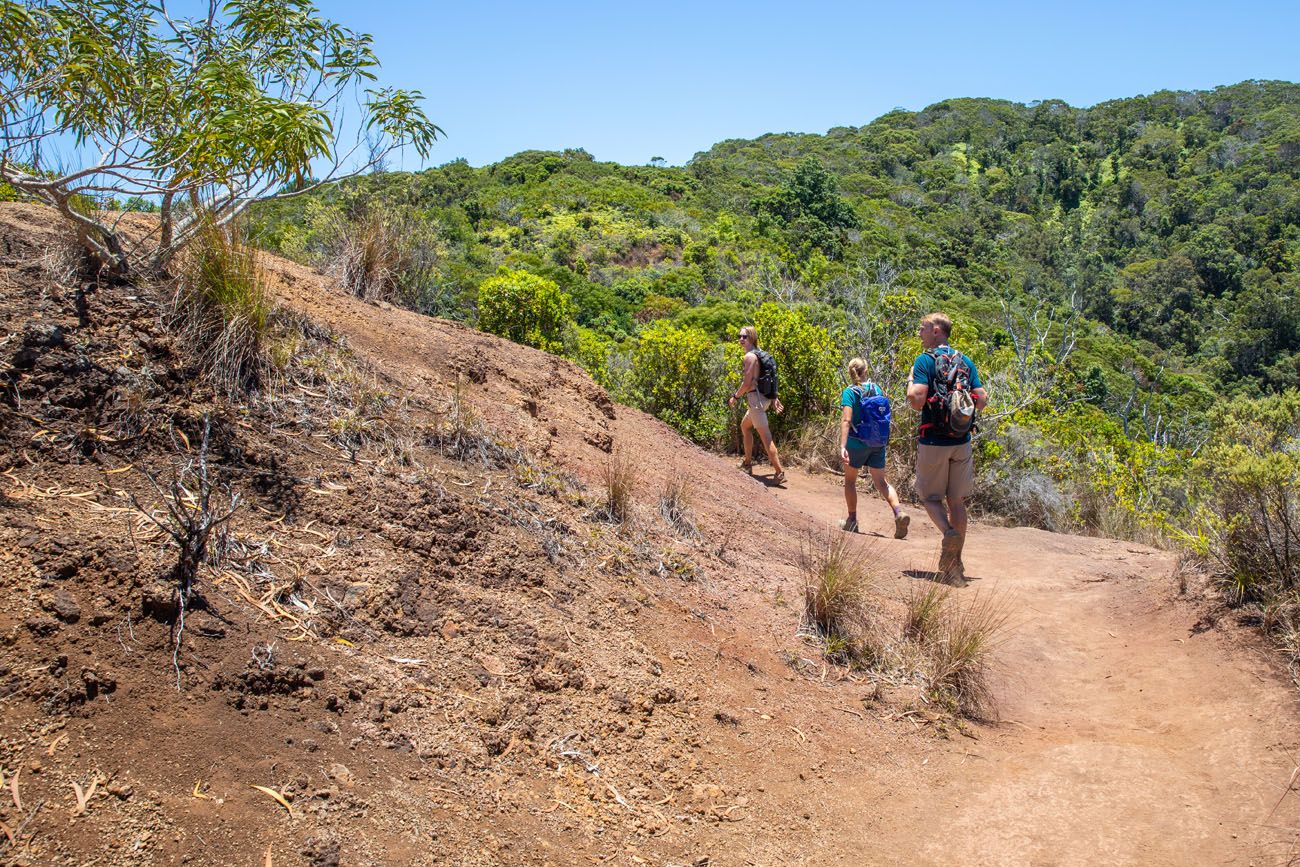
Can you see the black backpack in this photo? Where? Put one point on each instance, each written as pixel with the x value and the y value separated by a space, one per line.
pixel 950 407
pixel 766 383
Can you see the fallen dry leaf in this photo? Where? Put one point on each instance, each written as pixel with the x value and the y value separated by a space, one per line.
pixel 278 797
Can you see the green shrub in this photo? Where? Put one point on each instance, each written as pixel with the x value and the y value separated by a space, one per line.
pixel 524 308
pixel 679 375
pixel 1253 463
pixel 808 362
pixel 592 353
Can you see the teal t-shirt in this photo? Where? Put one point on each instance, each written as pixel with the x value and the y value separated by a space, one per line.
pixel 850 399
pixel 923 373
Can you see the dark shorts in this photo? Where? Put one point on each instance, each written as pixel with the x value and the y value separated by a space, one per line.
pixel 874 458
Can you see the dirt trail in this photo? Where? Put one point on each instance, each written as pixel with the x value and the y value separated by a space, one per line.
pixel 630 696
pixel 1129 735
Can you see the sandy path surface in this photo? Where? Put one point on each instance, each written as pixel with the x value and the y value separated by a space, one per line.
pixel 1128 736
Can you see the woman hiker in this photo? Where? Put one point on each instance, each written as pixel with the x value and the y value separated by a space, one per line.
pixel 855 451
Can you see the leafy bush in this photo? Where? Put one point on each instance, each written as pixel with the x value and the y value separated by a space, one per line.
pixel 680 375
pixel 592 353
pixel 1253 464
pixel 524 308
pixel 808 363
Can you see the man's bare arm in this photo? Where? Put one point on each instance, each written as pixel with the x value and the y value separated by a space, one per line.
pixel 916 394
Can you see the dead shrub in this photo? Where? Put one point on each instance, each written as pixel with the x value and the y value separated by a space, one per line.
pixel 195 517
pixel 620 476
pixel 815 445
pixel 222 310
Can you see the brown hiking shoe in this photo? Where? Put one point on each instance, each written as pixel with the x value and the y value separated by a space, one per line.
pixel 779 478
pixel 849 525
pixel 747 466
pixel 901 520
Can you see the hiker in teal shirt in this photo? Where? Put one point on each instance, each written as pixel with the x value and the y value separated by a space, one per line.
pixel 945 474
pixel 856 453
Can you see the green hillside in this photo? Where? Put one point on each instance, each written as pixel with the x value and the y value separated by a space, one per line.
pixel 1125 275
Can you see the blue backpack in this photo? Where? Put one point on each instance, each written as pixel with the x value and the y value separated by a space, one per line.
pixel 873 415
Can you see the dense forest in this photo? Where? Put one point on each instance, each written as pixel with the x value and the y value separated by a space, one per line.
pixel 1127 276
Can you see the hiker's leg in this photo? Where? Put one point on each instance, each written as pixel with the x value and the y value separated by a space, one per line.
pixel 884 488
pixel 851 489
pixel 938 514
pixel 961 484
pixel 747 436
pixel 932 482
pixel 773 456
pixel 957 514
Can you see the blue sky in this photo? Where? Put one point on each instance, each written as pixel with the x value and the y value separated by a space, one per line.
pixel 630 81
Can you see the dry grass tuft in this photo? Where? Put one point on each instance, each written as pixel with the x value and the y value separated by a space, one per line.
pixel 620 476
pixel 367 257
pixel 836 584
pixel 223 312
pixel 957 647
pixel 463 435
pixel 924 611
pixel 674 504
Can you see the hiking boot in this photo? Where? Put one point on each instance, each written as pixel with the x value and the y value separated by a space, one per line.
pixel 747 466
pixel 949 552
pixel 849 525
pixel 901 520
pixel 956 573
pixel 779 478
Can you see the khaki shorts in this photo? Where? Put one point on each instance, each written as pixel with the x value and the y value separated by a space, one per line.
pixel 757 412
pixel 944 471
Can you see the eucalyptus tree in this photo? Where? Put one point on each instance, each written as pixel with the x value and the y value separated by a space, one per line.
pixel 202 115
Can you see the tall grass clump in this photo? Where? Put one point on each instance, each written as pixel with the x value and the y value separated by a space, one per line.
pixel 956 643
pixel 923 613
pixel 222 310
pixel 620 477
pixel 836 584
pixel 367 256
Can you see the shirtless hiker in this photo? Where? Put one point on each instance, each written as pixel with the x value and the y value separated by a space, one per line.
pixel 758 389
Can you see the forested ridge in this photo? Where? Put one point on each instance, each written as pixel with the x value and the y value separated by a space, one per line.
pixel 1171 219
pixel 1125 275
